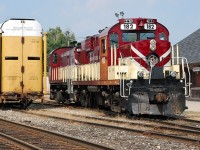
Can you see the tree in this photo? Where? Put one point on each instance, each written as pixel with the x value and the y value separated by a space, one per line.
pixel 57 38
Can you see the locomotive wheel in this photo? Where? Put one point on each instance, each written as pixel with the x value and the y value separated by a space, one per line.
pixel 84 99
pixel 96 99
pixel 24 104
pixel 93 99
pixel 52 96
pixel 115 102
pixel 59 97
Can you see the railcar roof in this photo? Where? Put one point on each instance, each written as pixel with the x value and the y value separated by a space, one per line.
pixel 21 19
pixel 14 27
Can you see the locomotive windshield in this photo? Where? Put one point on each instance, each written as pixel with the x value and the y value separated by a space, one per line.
pixel 145 36
pixel 137 36
pixel 129 37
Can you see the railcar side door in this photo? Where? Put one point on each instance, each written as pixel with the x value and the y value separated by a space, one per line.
pixel 103 59
pixel 32 56
pixel 11 57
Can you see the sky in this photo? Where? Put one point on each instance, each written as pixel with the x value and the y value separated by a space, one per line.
pixel 87 17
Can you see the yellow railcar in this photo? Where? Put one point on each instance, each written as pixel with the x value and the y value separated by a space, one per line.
pixel 21 61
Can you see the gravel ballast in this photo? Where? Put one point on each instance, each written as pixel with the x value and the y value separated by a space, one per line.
pixel 117 139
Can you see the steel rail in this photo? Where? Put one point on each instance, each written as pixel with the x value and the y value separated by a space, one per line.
pixel 148 133
pixel 177 125
pixel 196 129
pixel 189 120
pixel 84 143
pixel 19 143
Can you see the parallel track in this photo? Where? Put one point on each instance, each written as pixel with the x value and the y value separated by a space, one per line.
pixel 8 142
pixel 173 131
pixel 175 121
pixel 26 137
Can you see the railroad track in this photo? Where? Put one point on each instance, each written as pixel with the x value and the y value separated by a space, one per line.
pixel 8 142
pixel 160 129
pixel 20 136
pixel 171 121
pixel 180 123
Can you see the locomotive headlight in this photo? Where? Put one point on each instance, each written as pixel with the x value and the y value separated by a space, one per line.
pixel 173 73
pixel 140 74
pixel 153 45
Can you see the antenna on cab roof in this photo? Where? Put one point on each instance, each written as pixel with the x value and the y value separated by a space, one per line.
pixel 120 14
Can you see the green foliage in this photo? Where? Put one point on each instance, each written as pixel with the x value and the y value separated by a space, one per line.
pixel 57 38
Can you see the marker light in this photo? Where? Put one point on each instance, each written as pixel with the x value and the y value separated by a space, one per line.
pixel 140 74
pixel 173 73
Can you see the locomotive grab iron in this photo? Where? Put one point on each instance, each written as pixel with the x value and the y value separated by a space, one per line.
pixel 126 67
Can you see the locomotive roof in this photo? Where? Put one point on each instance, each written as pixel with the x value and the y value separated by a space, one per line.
pixel 105 32
pixel 58 49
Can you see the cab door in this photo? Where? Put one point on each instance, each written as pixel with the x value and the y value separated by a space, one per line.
pixel 103 59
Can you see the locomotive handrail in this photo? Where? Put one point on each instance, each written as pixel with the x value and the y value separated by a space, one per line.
pixel 121 79
pixel 68 77
pixel 189 78
pixel 122 74
pixel 71 78
pixel 183 61
pixel 187 84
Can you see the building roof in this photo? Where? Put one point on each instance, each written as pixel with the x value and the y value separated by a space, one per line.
pixel 189 47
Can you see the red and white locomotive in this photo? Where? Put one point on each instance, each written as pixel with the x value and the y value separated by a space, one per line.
pixel 126 67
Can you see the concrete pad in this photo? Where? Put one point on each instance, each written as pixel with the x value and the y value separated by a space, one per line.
pixel 193 106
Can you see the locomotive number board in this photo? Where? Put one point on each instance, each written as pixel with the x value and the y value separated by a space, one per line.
pixel 128 26
pixel 131 26
pixel 148 26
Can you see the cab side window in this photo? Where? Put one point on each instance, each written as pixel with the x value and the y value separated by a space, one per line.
pixel 114 40
pixel 103 45
pixel 55 58
pixel 162 36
